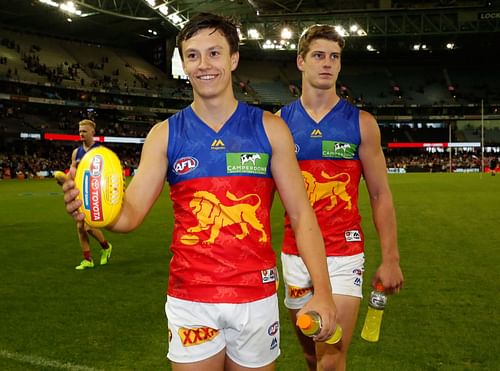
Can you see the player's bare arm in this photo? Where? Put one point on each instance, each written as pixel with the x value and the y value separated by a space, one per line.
pixel 148 181
pixel 73 157
pixel 383 213
pixel 71 192
pixel 290 185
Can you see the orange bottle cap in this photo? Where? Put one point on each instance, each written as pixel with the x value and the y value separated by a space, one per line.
pixel 304 321
pixel 379 287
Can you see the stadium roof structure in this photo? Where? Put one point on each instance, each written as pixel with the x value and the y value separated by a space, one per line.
pixel 386 25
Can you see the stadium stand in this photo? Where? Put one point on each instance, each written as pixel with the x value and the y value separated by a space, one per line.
pixel 47 84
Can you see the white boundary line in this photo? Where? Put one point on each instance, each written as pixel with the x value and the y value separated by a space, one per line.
pixel 39 361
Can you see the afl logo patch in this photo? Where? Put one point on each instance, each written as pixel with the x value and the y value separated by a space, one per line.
pixel 273 329
pixel 185 165
pixel 96 165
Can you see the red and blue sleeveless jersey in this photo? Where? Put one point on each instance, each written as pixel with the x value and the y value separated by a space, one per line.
pixel 80 152
pixel 327 152
pixel 222 190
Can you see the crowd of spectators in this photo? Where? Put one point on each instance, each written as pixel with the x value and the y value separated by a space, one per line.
pixel 31 160
pixel 17 117
pixel 23 159
pixel 423 161
pixel 101 74
pixel 31 58
pixel 55 75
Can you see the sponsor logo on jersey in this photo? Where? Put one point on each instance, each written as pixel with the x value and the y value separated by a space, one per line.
pixel 269 275
pixel 298 292
pixel 185 165
pixel 352 236
pixel 249 157
pixel 92 197
pixel 196 336
pixel 247 163
pixel 274 344
pixel 273 329
pixel 316 133
pixel 332 149
pixel 218 144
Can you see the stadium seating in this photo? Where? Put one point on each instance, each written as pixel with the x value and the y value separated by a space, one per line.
pixel 47 85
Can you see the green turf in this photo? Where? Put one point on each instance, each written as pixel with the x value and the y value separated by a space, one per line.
pixel 112 318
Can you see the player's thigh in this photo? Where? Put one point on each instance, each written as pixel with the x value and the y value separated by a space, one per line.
pixel 195 332
pixel 307 343
pixel 252 333
pixel 298 284
pixel 215 363
pixel 233 366
pixel 218 362
pixel 333 356
pixel 347 314
pixel 346 274
pixel 248 333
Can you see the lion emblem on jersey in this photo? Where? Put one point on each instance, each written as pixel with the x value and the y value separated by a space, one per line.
pixel 332 189
pixel 213 215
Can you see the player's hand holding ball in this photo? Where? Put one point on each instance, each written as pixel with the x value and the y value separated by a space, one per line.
pixel 60 177
pixel 99 178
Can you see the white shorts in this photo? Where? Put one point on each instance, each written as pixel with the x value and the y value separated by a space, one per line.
pixel 249 331
pixel 346 278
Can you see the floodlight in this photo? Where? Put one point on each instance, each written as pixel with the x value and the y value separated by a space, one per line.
pixel 50 2
pixel 341 31
pixel 163 9
pixel 286 34
pixel 175 18
pixel 69 7
pixel 253 34
pixel 167 10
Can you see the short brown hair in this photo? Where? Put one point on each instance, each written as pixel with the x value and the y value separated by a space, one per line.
pixel 315 32
pixel 87 122
pixel 226 26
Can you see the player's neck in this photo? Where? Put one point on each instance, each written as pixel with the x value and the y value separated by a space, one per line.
pixel 215 112
pixel 86 146
pixel 318 102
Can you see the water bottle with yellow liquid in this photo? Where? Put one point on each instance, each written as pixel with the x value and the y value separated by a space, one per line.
pixel 373 319
pixel 310 325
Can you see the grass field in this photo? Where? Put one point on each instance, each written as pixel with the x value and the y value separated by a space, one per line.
pixel 112 318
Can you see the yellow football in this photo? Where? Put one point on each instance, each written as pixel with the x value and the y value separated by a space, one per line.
pixel 60 177
pixel 99 177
